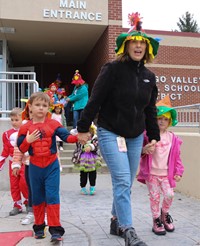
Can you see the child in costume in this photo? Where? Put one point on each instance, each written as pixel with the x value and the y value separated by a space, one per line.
pixel 58 115
pixel 52 92
pixel 38 137
pixel 61 97
pixel 18 159
pixel 161 168
pixel 18 184
pixel 87 159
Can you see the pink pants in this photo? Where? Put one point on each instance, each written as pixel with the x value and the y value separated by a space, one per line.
pixel 157 185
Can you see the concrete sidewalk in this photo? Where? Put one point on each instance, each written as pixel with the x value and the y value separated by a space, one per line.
pixel 86 219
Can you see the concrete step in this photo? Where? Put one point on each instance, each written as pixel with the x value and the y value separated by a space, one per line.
pixel 67 168
pixel 69 146
pixel 65 153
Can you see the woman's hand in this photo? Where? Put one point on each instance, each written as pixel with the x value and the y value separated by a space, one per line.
pixel 83 137
pixel 30 138
pixel 149 148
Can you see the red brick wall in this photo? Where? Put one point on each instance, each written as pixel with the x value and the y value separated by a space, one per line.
pixel 179 74
pixel 98 56
pixel 181 84
pixel 178 55
pixel 104 48
pixel 115 9
pixel 114 31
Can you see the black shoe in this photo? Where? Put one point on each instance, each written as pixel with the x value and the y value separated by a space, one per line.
pixel 131 238
pixel 114 228
pixel 40 231
pixel 56 238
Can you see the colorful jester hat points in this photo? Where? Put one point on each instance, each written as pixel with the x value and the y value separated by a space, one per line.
pixel 77 79
pixel 135 22
pixel 59 105
pixel 135 33
pixel 165 108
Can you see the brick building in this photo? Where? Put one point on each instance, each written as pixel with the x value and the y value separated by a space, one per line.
pixel 51 37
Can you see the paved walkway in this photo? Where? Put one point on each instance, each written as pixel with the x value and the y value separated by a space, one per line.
pixel 86 219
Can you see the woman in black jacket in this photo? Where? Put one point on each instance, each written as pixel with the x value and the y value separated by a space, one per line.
pixel 124 96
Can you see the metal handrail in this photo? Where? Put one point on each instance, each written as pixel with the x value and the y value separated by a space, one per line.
pixel 20 73
pixel 188 116
pixel 14 86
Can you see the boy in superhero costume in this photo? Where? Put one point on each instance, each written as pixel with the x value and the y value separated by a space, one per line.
pixel 38 137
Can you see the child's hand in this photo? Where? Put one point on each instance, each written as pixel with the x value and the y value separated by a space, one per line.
pixel 87 148
pixel 15 171
pixel 177 178
pixel 30 138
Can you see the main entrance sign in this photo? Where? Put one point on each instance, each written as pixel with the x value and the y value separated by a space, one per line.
pixel 72 10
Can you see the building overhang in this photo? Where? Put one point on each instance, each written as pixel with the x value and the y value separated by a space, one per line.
pixel 52 32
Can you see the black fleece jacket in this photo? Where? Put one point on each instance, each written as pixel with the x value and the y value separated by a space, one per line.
pixel 124 94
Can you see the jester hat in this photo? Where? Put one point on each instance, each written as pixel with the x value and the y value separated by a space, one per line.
pixel 77 79
pixel 59 105
pixel 53 84
pixel 135 33
pixel 164 108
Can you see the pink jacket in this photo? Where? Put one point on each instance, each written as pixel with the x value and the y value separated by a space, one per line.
pixel 175 166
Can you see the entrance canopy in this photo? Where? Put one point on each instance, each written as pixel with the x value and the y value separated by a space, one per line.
pixel 60 31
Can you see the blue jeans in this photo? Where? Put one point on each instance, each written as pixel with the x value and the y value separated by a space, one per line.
pixel 123 167
pixel 76 117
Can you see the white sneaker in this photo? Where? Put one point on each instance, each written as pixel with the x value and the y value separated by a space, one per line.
pixel 28 219
pixel 45 219
pixel 61 148
pixel 61 168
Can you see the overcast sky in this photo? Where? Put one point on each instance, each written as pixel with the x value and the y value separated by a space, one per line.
pixel 159 14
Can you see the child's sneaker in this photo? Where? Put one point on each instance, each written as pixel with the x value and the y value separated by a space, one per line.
pixel 17 209
pixel 92 190
pixel 61 148
pixel 45 219
pixel 56 238
pixel 28 219
pixel 84 191
pixel 40 234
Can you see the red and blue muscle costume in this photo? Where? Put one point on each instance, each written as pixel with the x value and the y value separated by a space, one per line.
pixel 44 171
pixel 18 184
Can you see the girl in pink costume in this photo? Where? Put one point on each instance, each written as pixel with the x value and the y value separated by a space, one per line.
pixel 58 115
pixel 161 168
